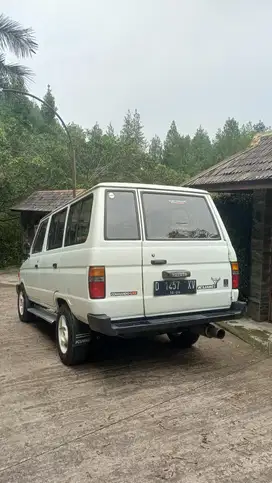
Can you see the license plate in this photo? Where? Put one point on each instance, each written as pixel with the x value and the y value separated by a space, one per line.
pixel 175 287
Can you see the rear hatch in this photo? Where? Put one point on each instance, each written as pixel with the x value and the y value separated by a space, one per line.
pixel 186 266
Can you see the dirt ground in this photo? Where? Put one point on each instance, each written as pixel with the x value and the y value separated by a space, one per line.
pixel 143 412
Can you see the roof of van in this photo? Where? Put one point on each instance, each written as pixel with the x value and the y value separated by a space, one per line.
pixel 147 186
pixel 50 201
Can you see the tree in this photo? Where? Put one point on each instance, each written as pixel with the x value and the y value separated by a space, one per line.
pixel 47 110
pixel 172 150
pixel 132 130
pixel 201 156
pixel 227 140
pixel 260 127
pixel 110 131
pixel 19 41
pixel 155 149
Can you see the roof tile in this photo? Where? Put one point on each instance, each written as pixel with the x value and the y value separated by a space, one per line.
pixel 46 201
pixel 255 163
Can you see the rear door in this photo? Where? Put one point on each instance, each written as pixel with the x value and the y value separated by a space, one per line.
pixel 186 264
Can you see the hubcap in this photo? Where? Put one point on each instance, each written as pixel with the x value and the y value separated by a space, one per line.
pixel 63 334
pixel 21 303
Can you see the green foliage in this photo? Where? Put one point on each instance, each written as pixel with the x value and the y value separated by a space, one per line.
pixel 21 42
pixel 172 151
pixel 155 149
pixel 48 110
pixel 35 154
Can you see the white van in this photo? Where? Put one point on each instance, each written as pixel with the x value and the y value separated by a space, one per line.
pixel 126 259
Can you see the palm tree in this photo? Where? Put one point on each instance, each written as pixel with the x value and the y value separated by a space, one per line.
pixel 19 41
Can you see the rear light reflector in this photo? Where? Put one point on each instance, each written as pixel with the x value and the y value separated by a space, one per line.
pixel 235 275
pixel 97 282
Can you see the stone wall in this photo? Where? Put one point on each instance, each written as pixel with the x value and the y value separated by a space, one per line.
pixel 261 256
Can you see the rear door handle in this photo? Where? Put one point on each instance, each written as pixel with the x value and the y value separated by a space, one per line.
pixel 55 265
pixel 36 266
pixel 158 262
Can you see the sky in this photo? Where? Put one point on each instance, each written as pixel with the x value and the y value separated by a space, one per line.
pixel 197 62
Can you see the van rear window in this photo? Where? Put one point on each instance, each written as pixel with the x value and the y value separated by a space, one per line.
pixel 174 216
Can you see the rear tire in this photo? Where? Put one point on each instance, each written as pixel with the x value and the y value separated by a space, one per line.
pixel 22 305
pixel 73 338
pixel 183 340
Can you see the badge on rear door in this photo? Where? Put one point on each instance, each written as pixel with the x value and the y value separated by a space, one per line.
pixel 209 287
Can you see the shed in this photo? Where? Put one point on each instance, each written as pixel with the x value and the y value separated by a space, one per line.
pixel 39 204
pixel 250 171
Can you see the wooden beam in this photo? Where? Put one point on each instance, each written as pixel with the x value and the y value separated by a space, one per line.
pixel 233 187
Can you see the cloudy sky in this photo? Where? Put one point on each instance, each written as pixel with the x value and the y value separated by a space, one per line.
pixel 195 61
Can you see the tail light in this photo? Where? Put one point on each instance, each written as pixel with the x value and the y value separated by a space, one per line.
pixel 235 275
pixel 97 282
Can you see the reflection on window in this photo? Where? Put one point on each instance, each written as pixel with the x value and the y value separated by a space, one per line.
pixel 79 221
pixel 174 216
pixel 39 238
pixel 56 230
pixel 121 216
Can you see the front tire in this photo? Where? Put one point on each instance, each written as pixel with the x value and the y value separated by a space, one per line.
pixel 22 306
pixel 183 340
pixel 73 338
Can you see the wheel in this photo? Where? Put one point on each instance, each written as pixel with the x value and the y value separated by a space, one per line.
pixel 22 305
pixel 184 340
pixel 73 338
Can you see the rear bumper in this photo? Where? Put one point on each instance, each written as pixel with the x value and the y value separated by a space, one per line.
pixel 104 325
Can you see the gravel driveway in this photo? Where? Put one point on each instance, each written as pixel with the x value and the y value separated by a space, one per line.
pixel 143 412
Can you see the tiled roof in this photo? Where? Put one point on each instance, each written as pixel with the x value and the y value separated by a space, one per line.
pixel 247 167
pixel 46 201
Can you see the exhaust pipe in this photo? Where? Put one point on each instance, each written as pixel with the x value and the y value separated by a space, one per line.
pixel 210 331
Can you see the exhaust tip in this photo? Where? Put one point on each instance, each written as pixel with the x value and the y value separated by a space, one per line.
pixel 220 334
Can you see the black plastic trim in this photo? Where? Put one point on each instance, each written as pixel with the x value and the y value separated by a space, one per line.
pixel 104 325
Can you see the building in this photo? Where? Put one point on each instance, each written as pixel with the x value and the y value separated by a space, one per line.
pixel 39 204
pixel 250 171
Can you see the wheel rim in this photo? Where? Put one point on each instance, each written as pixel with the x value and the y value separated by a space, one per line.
pixel 21 303
pixel 63 334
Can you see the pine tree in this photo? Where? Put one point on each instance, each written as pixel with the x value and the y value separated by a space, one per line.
pixel 132 130
pixel 200 152
pixel 126 134
pixel 47 110
pixel 172 154
pixel 155 149
pixel 137 129
pixel 227 140
pixel 260 127
pixel 110 131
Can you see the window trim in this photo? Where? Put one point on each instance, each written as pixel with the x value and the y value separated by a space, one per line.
pixel 188 195
pixel 36 236
pixel 136 205
pixel 51 217
pixel 81 200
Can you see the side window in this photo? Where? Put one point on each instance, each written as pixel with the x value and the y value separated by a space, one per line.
pixel 79 221
pixel 39 238
pixel 121 221
pixel 56 230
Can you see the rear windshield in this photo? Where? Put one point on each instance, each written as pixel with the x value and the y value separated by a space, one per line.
pixel 172 216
